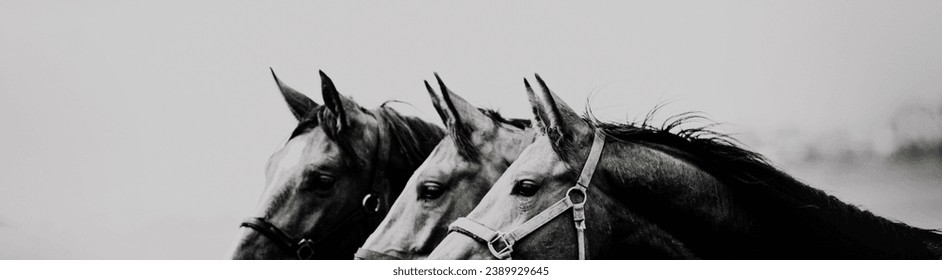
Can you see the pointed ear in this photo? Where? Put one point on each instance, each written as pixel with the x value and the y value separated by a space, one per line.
pixel 436 102
pixel 561 122
pixel 462 113
pixel 538 114
pixel 344 108
pixel 299 104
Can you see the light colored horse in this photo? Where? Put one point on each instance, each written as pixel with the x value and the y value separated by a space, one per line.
pixel 479 146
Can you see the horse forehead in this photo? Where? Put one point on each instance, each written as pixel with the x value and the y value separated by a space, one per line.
pixel 305 149
pixel 443 160
pixel 539 156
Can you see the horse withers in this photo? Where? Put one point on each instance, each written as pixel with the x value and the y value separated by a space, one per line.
pixel 479 146
pixel 334 180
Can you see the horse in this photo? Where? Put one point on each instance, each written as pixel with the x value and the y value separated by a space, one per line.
pixel 334 180
pixel 479 146
pixel 636 191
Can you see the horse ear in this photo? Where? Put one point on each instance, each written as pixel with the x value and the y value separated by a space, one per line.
pixel 560 120
pixel 461 112
pixel 535 104
pixel 436 102
pixel 344 108
pixel 299 104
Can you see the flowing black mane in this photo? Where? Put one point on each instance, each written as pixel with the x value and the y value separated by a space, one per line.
pixel 461 135
pixel 786 210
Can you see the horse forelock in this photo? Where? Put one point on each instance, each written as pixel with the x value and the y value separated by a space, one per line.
pixel 325 119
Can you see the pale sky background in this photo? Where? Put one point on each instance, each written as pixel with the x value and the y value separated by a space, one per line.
pixel 141 130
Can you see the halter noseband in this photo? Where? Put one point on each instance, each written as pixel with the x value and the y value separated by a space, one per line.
pixel 372 203
pixel 500 243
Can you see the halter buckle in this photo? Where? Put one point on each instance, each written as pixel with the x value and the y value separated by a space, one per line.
pixel 305 249
pixel 501 249
pixel 578 209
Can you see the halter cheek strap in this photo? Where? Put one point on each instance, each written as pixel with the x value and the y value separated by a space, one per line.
pixel 372 202
pixel 500 243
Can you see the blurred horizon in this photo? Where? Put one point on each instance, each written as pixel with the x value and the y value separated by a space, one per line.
pixel 913 133
pixel 141 130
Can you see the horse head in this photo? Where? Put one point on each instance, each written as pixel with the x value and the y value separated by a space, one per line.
pixel 334 180
pixel 480 145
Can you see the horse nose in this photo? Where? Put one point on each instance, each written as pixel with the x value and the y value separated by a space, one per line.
pixel 253 246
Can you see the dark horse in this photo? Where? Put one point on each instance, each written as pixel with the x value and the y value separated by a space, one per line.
pixel 657 193
pixel 333 182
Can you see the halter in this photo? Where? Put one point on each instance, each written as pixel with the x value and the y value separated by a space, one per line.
pixel 371 203
pixel 501 243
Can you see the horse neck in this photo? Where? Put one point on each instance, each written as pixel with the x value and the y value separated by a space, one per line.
pixel 759 212
pixel 658 184
pixel 793 220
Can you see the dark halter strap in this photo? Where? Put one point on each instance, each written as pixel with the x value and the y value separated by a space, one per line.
pixel 500 243
pixel 382 159
pixel 371 204
pixel 271 231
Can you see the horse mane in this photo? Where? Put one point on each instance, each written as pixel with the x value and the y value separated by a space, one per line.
pixel 461 135
pixel 498 119
pixel 413 139
pixel 780 203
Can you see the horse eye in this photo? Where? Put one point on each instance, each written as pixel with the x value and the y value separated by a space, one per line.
pixel 430 190
pixel 525 188
pixel 320 182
